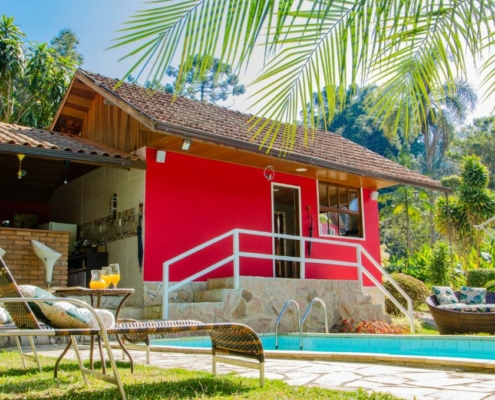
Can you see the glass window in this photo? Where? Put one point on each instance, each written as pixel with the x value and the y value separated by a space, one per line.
pixel 340 211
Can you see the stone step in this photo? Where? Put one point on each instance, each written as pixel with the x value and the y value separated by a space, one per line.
pixel 220 283
pixel 364 299
pixel 211 295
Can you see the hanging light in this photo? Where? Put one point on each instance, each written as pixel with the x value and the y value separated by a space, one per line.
pixel 66 179
pixel 21 173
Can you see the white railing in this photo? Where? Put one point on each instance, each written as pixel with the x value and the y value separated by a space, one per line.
pixel 361 255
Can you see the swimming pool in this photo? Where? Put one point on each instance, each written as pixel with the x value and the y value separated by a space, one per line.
pixel 464 347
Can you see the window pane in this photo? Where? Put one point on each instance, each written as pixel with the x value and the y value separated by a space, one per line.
pixel 353 226
pixel 343 199
pixel 334 200
pixel 323 193
pixel 328 224
pixel 354 201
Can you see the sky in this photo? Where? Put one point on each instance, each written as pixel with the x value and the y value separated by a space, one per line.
pixel 96 23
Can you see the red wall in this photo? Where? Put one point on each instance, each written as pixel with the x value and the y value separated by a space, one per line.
pixel 190 200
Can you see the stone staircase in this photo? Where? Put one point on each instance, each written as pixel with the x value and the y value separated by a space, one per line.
pixel 259 301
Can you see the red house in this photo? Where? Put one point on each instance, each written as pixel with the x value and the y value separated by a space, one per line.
pixel 244 227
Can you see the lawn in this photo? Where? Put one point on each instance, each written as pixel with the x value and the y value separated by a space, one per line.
pixel 150 383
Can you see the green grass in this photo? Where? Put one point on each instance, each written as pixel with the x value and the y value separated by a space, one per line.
pixel 427 329
pixel 150 383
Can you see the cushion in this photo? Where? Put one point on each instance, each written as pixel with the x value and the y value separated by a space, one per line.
pixel 444 295
pixel 454 307
pixel 482 308
pixel 473 295
pixel 5 317
pixel 62 314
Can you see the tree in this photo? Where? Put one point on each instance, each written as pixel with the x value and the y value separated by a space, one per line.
pixel 33 78
pixel 11 64
pixel 402 219
pixel 216 82
pixel 352 121
pixel 444 111
pixel 478 138
pixel 471 205
pixel 65 44
pixel 409 47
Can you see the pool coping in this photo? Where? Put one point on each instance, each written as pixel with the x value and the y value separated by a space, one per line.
pixel 374 358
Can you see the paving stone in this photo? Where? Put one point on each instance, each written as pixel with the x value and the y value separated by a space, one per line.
pixel 408 383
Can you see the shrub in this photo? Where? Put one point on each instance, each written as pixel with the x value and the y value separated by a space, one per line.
pixel 439 267
pixel 375 327
pixel 479 277
pixel 416 290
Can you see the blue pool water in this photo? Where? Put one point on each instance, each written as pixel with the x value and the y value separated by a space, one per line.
pixel 471 347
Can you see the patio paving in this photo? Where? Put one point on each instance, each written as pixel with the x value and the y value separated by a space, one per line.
pixel 405 382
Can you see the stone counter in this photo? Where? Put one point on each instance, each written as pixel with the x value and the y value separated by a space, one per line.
pixel 26 267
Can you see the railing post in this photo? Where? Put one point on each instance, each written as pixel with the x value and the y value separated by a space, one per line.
pixel 302 270
pixel 360 267
pixel 236 259
pixel 165 291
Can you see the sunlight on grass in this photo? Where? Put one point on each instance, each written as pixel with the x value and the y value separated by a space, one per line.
pixel 151 383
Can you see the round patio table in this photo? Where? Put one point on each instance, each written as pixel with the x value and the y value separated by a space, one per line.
pixel 95 296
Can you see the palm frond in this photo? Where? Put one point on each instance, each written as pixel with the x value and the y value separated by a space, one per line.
pixel 408 47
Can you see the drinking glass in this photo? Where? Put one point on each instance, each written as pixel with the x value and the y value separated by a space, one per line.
pixel 96 281
pixel 115 275
pixel 106 275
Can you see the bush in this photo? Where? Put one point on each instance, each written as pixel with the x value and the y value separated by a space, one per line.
pixel 439 267
pixel 377 327
pixel 416 290
pixel 479 277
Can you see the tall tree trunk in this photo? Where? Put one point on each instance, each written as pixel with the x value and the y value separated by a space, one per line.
pixel 432 219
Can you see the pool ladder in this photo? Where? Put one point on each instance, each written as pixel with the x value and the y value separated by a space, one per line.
pixel 301 320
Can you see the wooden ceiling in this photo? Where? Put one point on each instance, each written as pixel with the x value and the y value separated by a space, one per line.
pixel 43 176
pixel 77 103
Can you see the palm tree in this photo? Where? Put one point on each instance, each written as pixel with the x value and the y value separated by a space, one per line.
pixel 410 46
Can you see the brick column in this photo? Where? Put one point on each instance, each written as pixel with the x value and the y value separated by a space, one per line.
pixel 25 266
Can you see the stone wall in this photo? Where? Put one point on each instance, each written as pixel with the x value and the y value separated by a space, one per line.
pixel 260 300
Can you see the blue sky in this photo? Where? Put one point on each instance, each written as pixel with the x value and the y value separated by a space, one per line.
pixel 96 23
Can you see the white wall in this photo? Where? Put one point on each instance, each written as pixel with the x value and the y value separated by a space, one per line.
pixel 86 202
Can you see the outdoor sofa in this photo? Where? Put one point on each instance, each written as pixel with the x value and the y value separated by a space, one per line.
pixel 461 315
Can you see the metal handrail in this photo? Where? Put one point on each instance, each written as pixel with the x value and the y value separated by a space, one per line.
pixel 315 300
pixel 284 308
pixel 302 259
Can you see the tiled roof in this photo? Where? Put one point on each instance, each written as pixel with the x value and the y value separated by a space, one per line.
pixel 31 137
pixel 324 148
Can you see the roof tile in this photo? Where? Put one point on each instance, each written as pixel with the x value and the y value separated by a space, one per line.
pixel 321 146
pixel 31 137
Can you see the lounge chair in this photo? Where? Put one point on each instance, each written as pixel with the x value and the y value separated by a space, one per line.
pixel 232 343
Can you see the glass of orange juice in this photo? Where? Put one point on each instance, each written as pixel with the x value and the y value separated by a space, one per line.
pixel 97 281
pixel 106 275
pixel 115 274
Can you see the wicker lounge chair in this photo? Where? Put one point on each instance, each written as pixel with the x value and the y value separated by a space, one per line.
pixel 232 343
pixel 461 322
